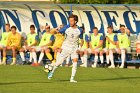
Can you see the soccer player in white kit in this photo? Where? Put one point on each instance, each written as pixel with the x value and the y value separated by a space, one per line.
pixel 70 46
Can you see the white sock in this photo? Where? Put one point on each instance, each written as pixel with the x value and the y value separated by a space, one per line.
pixel 74 69
pixel 58 54
pixel 111 58
pixel 34 57
pixel 82 59
pixel 30 60
pixel 22 56
pixel 0 56
pixel 68 60
pixel 59 60
pixel 41 57
pixel 102 59
pixel 95 59
pixel 123 57
pixel 107 59
pixel 85 59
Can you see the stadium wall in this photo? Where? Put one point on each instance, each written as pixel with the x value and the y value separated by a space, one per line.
pixel 24 14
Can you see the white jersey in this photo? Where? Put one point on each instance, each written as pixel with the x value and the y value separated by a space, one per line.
pixel 72 36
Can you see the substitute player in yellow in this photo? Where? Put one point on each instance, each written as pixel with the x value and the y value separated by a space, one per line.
pixel 113 45
pixel 124 44
pixel 84 49
pixel 13 43
pixel 44 46
pixel 95 44
pixel 31 41
pixel 4 39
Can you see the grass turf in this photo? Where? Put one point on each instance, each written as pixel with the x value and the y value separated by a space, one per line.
pixel 27 79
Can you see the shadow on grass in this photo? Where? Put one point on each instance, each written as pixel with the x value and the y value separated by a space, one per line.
pixel 12 83
pixel 110 79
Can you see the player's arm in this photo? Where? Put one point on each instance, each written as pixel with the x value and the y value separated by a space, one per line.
pixel 127 31
pixel 8 40
pixel 100 42
pixel 109 40
pixel 18 42
pixel 87 41
pixel 50 42
pixel 62 30
pixel 36 41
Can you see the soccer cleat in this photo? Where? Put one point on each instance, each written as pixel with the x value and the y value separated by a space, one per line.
pixel 50 74
pixel 24 62
pixel 3 63
pixel 83 65
pixel 112 66
pixel 73 81
pixel 13 63
pixel 35 64
pixel 94 65
pixel 121 66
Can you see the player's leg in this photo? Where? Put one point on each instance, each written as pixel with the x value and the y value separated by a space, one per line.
pixel 22 55
pixel 101 58
pixel 33 51
pixel 67 61
pixel 14 49
pixel 81 56
pixel 59 60
pixel 41 56
pixel 85 57
pixel 4 55
pixel 123 56
pixel 74 57
pixel 96 52
pixel 111 57
pixel 48 54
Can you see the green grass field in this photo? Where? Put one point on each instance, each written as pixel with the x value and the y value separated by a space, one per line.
pixel 27 79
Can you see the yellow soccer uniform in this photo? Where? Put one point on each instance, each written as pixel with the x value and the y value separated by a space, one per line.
pixel 59 38
pixel 14 40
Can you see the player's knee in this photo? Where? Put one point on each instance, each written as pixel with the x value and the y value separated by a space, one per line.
pixel 47 51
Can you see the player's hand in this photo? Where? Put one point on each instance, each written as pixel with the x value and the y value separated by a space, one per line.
pixel 119 50
pixel 107 38
pixel 78 51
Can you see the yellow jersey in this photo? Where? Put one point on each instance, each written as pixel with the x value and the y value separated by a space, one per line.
pixel 14 40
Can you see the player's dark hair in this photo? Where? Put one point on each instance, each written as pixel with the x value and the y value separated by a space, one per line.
pixel 110 26
pixel 122 25
pixel 95 28
pixel 13 27
pixel 82 27
pixel 74 16
pixel 7 24
pixel 32 26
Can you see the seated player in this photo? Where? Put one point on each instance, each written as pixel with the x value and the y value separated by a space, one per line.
pixel 84 49
pixel 46 41
pixel 3 41
pixel 113 43
pixel 124 44
pixel 96 43
pixel 13 43
pixel 106 51
pixel 31 41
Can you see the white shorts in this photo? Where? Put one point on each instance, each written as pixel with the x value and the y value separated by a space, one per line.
pixel 69 52
pixel 96 50
pixel 38 48
pixel 127 49
pixel 105 49
pixel 84 49
pixel 2 45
